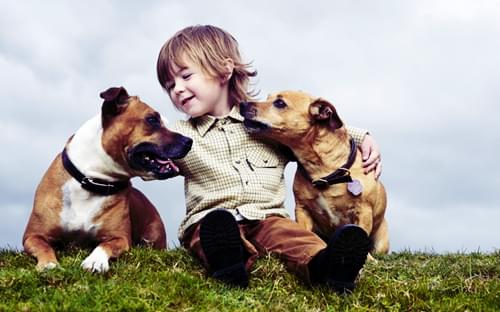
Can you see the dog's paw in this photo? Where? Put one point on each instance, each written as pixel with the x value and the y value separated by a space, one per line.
pixel 97 261
pixel 370 258
pixel 146 243
pixel 45 266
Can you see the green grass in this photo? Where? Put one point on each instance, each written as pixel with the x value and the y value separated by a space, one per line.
pixel 149 280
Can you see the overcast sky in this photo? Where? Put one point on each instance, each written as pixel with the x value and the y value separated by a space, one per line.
pixel 423 77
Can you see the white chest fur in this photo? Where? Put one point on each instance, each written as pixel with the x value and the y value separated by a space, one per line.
pixel 321 205
pixel 80 207
pixel 85 150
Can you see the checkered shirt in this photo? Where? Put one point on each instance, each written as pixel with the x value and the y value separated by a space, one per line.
pixel 229 168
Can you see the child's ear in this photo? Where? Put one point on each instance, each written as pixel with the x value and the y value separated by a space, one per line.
pixel 229 69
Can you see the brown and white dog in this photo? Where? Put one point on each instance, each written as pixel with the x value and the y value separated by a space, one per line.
pixel 86 197
pixel 330 187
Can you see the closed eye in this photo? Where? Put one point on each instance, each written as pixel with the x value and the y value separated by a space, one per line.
pixel 279 103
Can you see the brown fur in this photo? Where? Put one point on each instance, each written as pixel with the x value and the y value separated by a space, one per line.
pixel 316 135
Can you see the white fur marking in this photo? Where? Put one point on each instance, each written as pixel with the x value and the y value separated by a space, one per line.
pixel 97 261
pixel 322 205
pixel 79 208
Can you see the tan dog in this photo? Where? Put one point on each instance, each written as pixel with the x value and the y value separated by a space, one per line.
pixel 330 187
pixel 86 197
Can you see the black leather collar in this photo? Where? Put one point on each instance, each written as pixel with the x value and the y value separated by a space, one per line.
pixel 341 175
pixel 93 185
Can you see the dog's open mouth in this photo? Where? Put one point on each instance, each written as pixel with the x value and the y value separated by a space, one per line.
pixel 146 157
pixel 254 126
pixel 159 164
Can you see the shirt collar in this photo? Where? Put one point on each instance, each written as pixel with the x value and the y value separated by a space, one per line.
pixel 205 122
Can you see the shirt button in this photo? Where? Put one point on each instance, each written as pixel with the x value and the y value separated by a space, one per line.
pixel 238 162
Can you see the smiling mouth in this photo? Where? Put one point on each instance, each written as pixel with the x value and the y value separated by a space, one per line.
pixel 183 102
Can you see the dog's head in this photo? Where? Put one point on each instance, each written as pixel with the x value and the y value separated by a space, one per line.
pixel 289 116
pixel 135 136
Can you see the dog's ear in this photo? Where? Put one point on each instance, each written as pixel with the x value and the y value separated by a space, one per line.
pixel 324 112
pixel 115 101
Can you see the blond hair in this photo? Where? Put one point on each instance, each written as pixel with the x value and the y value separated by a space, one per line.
pixel 209 47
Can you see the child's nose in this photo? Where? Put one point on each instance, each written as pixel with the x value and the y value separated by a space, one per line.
pixel 179 87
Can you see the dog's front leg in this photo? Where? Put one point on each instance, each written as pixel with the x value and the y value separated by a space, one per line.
pixel 98 260
pixel 364 218
pixel 380 238
pixel 365 221
pixel 39 247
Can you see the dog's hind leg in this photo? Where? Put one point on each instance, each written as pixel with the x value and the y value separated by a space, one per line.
pixel 147 227
pixel 154 235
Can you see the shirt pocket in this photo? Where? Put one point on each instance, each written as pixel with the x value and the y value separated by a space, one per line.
pixel 260 158
pixel 267 167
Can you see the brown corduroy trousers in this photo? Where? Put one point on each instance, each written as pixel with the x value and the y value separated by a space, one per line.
pixel 273 235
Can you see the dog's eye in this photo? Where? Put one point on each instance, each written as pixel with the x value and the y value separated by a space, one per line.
pixel 154 121
pixel 279 103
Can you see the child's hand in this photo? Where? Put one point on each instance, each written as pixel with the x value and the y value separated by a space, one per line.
pixel 371 156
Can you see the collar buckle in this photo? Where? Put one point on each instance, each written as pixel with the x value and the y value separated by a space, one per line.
pixel 86 181
pixel 346 172
pixel 320 183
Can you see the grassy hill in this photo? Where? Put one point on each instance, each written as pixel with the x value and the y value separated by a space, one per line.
pixel 148 280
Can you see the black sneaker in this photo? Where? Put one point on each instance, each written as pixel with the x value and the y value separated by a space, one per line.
pixel 221 242
pixel 338 265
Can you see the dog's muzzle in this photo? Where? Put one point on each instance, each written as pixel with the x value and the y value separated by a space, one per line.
pixel 157 159
pixel 248 110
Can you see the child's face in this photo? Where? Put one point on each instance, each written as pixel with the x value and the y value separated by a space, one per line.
pixel 197 94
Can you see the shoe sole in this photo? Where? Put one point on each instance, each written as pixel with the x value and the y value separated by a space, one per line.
pixel 221 242
pixel 220 238
pixel 347 252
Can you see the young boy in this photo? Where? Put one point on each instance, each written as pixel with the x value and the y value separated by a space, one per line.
pixel 234 183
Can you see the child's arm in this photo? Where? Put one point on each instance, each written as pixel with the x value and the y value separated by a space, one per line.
pixel 369 149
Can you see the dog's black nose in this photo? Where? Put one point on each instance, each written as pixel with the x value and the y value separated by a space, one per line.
pixel 247 110
pixel 179 148
pixel 243 108
pixel 187 142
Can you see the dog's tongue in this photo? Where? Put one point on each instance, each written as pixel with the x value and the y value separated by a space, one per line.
pixel 163 161
pixel 168 162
